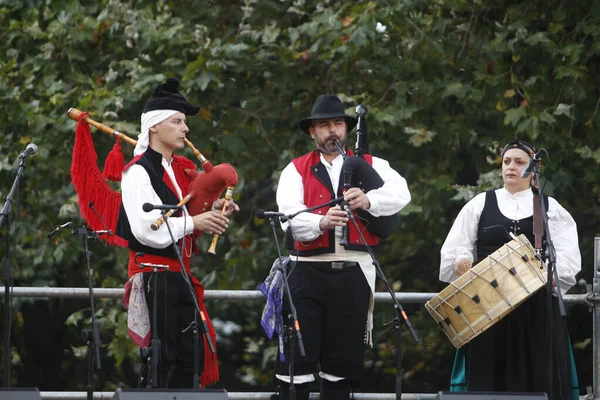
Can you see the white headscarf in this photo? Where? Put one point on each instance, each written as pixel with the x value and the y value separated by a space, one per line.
pixel 150 119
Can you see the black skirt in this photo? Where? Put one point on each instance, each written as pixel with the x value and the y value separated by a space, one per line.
pixel 512 355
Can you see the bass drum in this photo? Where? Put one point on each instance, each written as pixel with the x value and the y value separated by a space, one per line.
pixel 488 292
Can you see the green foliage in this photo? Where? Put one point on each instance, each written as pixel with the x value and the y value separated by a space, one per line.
pixel 446 83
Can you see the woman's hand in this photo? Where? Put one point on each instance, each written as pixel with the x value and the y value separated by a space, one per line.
pixel 462 265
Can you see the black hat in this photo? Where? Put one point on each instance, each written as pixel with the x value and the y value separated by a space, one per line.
pixel 326 107
pixel 167 97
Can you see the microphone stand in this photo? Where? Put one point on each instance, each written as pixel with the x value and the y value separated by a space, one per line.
pixel 194 324
pixel 552 274
pixel 330 203
pixel 155 344
pixel 399 311
pixel 295 336
pixel 92 337
pixel 8 273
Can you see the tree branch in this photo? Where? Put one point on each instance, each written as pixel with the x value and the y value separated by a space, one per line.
pixel 466 39
pixel 260 125
pixel 596 109
pixel 559 94
pixel 386 91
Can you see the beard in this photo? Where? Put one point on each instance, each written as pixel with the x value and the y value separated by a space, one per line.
pixel 328 146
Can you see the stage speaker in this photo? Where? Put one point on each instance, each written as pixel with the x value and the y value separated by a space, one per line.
pixel 170 394
pixel 20 394
pixel 490 396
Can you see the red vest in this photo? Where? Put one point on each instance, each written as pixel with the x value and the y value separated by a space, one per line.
pixel 317 190
pixel 151 161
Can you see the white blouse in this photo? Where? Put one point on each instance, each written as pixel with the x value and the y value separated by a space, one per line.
pixel 462 238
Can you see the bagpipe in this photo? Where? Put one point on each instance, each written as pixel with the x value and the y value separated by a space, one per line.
pixel 357 172
pixel 100 203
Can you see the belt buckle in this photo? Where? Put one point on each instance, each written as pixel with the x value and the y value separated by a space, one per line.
pixel 337 264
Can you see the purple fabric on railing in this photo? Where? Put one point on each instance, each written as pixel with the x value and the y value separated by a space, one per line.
pixel 273 288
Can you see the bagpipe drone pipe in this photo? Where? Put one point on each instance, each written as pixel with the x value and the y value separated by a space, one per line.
pixel 362 175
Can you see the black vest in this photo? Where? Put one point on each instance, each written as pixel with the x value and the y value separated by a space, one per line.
pixel 492 232
pixel 151 161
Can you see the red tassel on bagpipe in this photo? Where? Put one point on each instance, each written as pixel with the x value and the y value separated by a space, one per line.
pixel 115 163
pixel 90 184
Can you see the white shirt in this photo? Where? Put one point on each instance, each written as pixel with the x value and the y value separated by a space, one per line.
pixel 462 238
pixel 387 200
pixel 136 190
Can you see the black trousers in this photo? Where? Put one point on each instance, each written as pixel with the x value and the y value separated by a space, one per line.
pixel 332 306
pixel 175 313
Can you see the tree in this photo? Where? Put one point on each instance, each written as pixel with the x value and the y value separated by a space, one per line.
pixel 446 83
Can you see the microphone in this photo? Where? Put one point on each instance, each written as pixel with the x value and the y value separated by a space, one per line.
pixel 261 214
pixel 147 207
pixel 360 110
pixel 532 163
pixel 106 230
pixel 58 228
pixel 30 150
pixel 361 146
pixel 344 205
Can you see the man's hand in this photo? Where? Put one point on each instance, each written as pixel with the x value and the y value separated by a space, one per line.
pixel 231 206
pixel 334 217
pixel 211 221
pixel 357 199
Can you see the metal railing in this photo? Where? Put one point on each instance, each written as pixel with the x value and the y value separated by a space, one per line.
pixel 107 293
pixel 591 299
pixel 240 396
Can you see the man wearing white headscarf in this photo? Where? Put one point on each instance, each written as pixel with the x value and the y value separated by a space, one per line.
pixel 157 176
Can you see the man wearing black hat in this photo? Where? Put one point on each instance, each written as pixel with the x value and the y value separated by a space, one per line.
pixel 332 284
pixel 156 176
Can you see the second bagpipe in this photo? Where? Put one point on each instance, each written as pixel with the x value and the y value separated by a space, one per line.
pixel 91 185
pixel 357 171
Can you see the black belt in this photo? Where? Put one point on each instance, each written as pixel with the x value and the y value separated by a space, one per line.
pixel 332 264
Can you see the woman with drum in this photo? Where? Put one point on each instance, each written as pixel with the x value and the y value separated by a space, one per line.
pixel 511 355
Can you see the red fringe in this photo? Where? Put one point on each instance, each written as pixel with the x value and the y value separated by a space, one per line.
pixel 91 186
pixel 183 163
pixel 115 163
pixel 211 364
